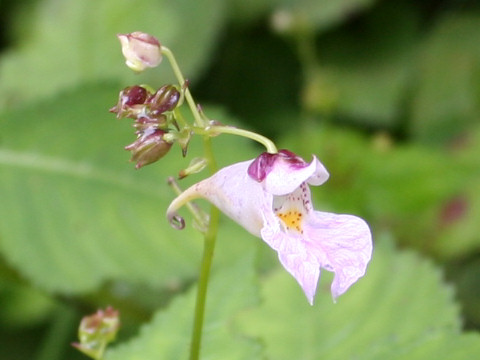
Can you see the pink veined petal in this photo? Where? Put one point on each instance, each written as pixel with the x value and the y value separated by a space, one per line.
pixel 342 244
pixel 295 258
pixel 284 177
pixel 304 269
pixel 234 193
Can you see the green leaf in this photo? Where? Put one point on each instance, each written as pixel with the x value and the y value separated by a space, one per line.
pixel 323 14
pixel 319 14
pixel 22 305
pixel 399 310
pixel 364 70
pixel 168 335
pixel 75 213
pixel 74 41
pixel 446 100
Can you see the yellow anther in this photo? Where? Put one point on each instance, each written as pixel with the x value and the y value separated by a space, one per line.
pixel 292 219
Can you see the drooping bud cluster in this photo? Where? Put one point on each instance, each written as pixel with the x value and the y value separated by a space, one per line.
pixel 154 117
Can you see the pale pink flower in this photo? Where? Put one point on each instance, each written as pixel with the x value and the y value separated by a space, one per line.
pixel 141 50
pixel 270 197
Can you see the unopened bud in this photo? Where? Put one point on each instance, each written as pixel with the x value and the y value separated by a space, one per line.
pixel 183 139
pixel 97 331
pixel 144 123
pixel 165 99
pixel 141 50
pixel 149 147
pixel 195 166
pixel 131 102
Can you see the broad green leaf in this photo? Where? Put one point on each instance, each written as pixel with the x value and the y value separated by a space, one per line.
pixel 75 213
pixel 466 275
pixel 74 41
pixel 168 335
pixel 446 100
pixel 400 309
pixel 22 305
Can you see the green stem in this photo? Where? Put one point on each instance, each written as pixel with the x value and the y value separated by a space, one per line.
pixel 200 217
pixel 206 265
pixel 208 250
pixel 199 121
pixel 269 145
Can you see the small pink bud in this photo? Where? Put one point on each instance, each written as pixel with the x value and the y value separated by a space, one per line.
pixel 141 50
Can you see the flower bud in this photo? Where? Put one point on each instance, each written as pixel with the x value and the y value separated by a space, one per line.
pixel 195 166
pixel 131 102
pixel 149 147
pixel 141 50
pixel 96 331
pixel 144 123
pixel 165 99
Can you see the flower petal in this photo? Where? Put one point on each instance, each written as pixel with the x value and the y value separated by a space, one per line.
pixel 342 244
pixel 294 257
pixel 285 177
pixel 233 192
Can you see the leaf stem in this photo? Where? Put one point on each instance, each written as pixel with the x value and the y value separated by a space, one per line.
pixel 206 265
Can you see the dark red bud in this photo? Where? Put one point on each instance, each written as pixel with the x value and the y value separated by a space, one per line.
pixel 134 95
pixel 129 102
pixel 149 147
pixel 165 99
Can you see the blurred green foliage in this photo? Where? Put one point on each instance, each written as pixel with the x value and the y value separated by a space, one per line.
pixel 386 93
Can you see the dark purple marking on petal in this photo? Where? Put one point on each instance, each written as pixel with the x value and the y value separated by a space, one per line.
pixel 263 164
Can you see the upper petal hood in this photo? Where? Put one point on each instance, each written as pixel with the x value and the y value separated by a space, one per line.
pixel 283 172
pixel 285 177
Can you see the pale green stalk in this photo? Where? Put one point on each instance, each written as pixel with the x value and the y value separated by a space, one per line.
pixel 207 258
pixel 199 121
pixel 212 130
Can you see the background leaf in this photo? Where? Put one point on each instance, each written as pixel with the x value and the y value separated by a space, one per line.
pixel 48 60
pixel 393 312
pixel 446 100
pixel 75 213
pixel 167 336
pixel 323 14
